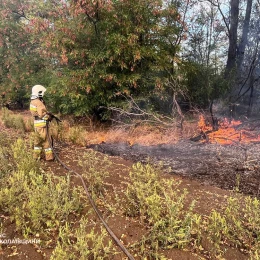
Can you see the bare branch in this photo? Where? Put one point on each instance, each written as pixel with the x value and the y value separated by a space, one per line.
pixel 222 14
pixel 178 40
pixel 141 114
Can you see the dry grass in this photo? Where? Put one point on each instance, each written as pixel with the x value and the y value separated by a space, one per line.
pixel 137 134
pixel 143 134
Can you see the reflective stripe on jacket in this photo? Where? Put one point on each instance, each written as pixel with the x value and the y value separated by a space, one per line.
pixel 33 108
pixel 39 123
pixel 37 149
pixel 39 112
pixel 48 151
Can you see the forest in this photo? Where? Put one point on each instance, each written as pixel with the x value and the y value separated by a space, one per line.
pixel 168 56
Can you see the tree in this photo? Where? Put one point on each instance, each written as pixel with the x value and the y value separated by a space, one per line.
pixel 244 37
pixel 203 54
pixel 245 86
pixel 100 50
pixel 21 65
pixel 232 49
pixel 90 53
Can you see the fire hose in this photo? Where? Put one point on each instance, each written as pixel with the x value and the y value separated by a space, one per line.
pixel 111 233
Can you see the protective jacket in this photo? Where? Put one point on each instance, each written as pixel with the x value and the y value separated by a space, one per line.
pixel 41 142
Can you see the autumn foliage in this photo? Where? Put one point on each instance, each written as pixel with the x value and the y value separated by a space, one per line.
pixel 87 53
pixel 91 53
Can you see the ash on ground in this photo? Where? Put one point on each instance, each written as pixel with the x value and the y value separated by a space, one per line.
pixel 225 166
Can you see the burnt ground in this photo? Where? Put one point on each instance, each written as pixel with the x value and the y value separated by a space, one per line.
pixel 224 166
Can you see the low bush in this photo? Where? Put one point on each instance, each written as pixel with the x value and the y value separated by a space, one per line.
pixel 6 163
pixel 11 120
pixel 35 200
pixel 238 225
pixel 160 205
pixel 95 169
pixel 82 243
pixel 76 135
pixel 23 158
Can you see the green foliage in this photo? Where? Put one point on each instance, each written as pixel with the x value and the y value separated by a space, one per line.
pixel 20 61
pixel 6 164
pixel 203 84
pixel 218 229
pixel 255 255
pixel 143 194
pixel 87 54
pixel 96 169
pixel 23 158
pixel 82 243
pixel 244 222
pixel 238 226
pixel 160 204
pixel 40 203
pixel 36 201
pixel 171 223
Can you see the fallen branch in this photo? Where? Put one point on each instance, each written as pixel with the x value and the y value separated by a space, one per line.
pixel 140 114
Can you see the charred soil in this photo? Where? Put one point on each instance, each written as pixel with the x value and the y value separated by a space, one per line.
pixel 227 166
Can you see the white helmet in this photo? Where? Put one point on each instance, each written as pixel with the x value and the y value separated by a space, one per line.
pixel 38 91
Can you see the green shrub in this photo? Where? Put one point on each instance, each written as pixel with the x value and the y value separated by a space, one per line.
pixel 238 225
pixel 96 169
pixel 143 195
pixel 35 200
pixel 255 255
pixel 160 204
pixel 82 243
pixel 6 162
pixel 38 202
pixel 218 229
pixel 23 157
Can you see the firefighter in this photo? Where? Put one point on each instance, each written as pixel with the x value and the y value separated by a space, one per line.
pixel 41 118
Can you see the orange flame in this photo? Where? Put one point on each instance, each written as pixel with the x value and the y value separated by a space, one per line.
pixel 227 134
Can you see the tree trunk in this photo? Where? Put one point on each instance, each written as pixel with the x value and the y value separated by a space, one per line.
pixel 253 80
pixel 243 41
pixel 232 50
pixel 251 97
